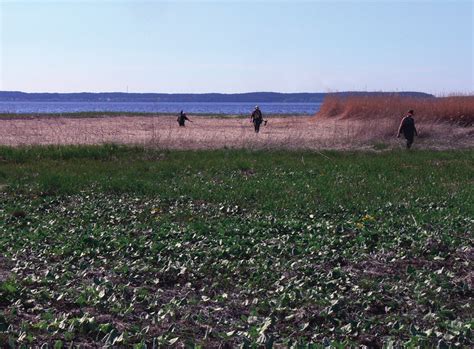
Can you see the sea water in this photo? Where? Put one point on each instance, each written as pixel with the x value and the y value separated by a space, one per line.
pixel 237 108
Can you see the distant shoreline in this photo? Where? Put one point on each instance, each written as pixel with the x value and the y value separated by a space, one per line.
pixel 251 97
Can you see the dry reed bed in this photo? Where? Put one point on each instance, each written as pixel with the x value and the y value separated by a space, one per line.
pixel 440 121
pixel 457 110
pixel 163 131
pixel 212 133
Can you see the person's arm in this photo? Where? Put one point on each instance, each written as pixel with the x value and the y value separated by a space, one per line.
pixel 414 128
pixel 400 128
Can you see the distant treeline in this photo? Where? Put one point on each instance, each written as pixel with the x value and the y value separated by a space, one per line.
pixel 260 97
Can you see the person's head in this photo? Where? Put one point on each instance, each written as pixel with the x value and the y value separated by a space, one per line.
pixel 256 107
pixel 182 111
pixel 411 112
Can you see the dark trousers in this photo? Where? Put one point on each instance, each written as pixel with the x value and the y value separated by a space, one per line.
pixel 409 140
pixel 256 125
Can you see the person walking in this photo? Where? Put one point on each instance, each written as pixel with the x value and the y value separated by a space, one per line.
pixel 407 127
pixel 257 118
pixel 182 118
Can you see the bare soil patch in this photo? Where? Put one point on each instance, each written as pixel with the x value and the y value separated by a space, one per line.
pixel 297 132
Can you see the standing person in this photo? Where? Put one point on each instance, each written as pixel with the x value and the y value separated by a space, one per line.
pixel 257 118
pixel 182 118
pixel 407 127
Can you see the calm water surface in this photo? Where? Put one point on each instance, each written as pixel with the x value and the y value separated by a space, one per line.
pixel 150 107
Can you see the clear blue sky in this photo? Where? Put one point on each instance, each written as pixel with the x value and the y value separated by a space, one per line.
pixel 224 46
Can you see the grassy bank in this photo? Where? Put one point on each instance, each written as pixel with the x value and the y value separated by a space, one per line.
pixel 101 114
pixel 114 245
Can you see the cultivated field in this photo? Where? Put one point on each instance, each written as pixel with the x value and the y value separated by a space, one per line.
pixel 147 248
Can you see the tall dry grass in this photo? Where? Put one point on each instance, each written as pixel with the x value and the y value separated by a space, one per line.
pixel 453 109
pixel 215 133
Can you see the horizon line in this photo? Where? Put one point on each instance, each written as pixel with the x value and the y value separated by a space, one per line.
pixel 223 93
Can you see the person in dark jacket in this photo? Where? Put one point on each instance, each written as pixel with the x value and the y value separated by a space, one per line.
pixel 407 127
pixel 182 118
pixel 257 118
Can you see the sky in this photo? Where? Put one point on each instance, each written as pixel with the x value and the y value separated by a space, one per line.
pixel 237 46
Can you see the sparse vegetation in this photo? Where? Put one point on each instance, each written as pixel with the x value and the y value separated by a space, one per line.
pixel 94 114
pixel 130 247
pixel 297 132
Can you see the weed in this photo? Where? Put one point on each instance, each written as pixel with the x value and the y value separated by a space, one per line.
pixel 134 247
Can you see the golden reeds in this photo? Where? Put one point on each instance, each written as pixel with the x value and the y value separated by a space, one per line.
pixel 454 109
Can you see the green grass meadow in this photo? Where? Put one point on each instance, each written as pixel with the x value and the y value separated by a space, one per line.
pixel 145 248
